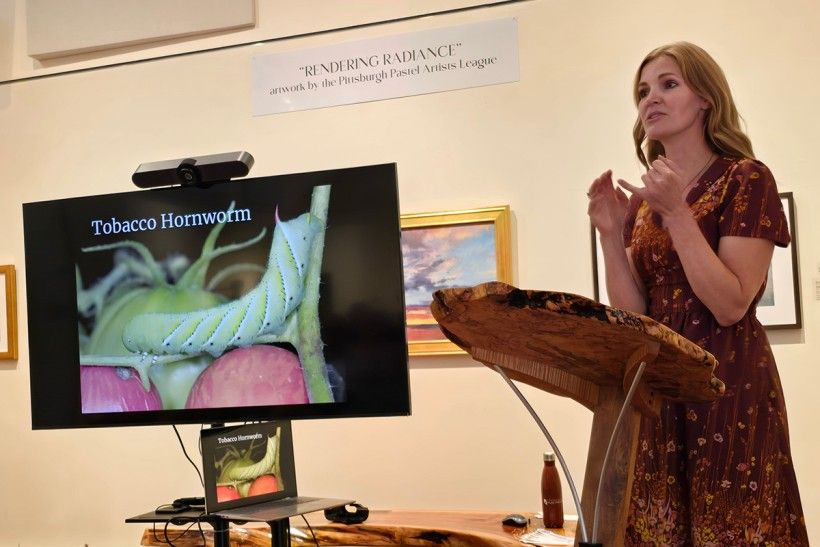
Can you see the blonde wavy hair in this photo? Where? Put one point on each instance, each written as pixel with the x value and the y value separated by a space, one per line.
pixel 721 127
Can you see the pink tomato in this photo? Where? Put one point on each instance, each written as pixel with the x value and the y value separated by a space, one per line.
pixel 226 493
pixel 252 376
pixel 265 484
pixel 115 389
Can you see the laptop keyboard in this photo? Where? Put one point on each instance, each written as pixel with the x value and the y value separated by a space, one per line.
pixel 268 505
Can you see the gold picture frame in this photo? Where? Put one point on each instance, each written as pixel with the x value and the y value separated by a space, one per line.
pixel 8 313
pixel 434 247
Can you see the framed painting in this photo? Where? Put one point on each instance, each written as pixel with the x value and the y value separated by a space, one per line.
pixel 8 313
pixel 449 249
pixel 598 271
pixel 779 307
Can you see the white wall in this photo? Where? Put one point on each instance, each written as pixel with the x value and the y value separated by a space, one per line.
pixel 534 145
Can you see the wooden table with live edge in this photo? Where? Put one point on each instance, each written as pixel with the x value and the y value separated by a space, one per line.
pixel 420 528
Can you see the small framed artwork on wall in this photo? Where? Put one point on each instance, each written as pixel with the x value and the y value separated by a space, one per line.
pixel 8 313
pixel 779 307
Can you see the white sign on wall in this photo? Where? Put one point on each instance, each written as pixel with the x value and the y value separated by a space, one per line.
pixel 428 61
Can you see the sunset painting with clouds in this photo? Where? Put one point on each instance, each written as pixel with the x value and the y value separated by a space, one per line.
pixel 441 257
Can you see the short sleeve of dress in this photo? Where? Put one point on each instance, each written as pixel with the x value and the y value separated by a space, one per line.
pixel 631 215
pixel 751 206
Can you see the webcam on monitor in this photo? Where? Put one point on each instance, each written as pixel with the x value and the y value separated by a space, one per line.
pixel 200 171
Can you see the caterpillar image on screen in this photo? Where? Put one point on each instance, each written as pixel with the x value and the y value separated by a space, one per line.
pixel 242 322
pixel 174 342
pixel 248 468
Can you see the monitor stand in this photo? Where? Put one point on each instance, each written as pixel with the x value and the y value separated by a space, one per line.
pixel 280 533
pixel 280 529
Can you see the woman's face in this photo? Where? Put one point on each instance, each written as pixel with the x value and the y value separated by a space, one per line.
pixel 667 106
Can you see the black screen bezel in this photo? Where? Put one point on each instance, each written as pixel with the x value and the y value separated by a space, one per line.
pixel 364 203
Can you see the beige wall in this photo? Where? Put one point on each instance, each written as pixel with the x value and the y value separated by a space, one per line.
pixel 273 20
pixel 534 145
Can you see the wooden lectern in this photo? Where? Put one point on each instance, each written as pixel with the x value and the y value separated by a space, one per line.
pixel 575 347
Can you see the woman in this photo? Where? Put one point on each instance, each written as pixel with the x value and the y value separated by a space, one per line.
pixel 691 249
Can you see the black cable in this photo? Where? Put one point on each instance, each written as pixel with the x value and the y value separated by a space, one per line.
pixel 202 482
pixel 170 541
pixel 167 539
pixel 201 532
pixel 165 532
pixel 154 530
pixel 165 529
pixel 180 520
pixel 316 541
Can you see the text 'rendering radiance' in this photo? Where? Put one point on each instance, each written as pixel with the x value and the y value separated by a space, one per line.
pixel 385 59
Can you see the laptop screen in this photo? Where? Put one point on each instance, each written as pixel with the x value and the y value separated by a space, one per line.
pixel 247 464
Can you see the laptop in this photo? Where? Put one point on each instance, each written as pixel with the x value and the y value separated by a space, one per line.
pixel 250 474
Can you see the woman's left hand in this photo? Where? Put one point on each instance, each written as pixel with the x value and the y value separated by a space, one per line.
pixel 663 188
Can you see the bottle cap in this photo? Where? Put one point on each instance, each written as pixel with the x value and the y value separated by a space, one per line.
pixel 549 457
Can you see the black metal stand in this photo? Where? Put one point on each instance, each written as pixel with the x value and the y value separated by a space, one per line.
pixel 280 533
pixel 219 524
pixel 222 532
pixel 279 537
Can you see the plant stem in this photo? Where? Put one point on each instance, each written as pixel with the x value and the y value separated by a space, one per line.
pixel 309 343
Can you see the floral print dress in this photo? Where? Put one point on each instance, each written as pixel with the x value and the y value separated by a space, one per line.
pixel 720 473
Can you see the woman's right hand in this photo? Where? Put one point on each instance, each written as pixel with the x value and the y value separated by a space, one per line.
pixel 607 205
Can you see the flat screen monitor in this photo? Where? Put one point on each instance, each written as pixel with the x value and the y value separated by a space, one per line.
pixel 268 298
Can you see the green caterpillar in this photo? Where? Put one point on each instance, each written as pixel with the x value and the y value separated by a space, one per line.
pixel 246 470
pixel 262 311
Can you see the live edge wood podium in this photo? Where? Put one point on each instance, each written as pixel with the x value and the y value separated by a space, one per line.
pixel 571 346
